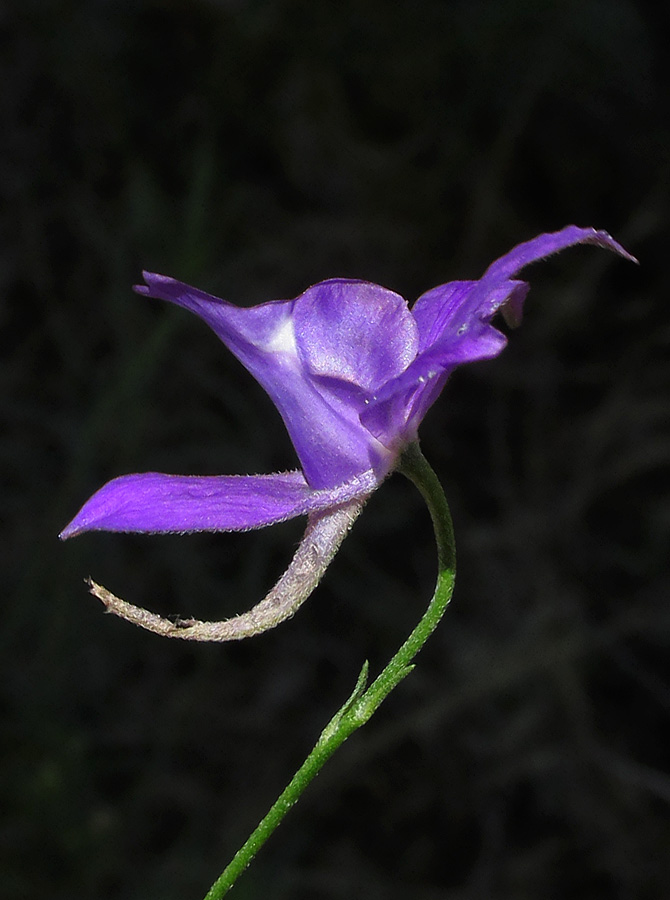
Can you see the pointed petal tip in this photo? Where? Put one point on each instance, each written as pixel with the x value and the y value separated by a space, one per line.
pixel 72 529
pixel 545 245
pixel 605 239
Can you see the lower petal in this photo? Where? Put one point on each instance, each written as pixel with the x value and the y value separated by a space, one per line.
pixel 161 504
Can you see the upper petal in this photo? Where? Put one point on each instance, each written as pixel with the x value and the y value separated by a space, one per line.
pixel 453 323
pixel 395 413
pixel 545 245
pixel 355 331
pixel 433 309
pixel 493 290
pixel 447 339
pixel 156 503
pixel 446 313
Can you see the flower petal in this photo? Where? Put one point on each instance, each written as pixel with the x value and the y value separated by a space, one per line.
pixel 329 439
pixel 156 503
pixel 448 311
pixel 396 411
pixel 395 414
pixel 355 331
pixel 453 322
pixel 484 299
pixel 445 315
pixel 545 245
pixel 433 310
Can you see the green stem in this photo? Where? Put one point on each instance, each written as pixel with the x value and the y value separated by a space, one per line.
pixel 363 703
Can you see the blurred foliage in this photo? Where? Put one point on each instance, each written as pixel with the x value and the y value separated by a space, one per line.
pixel 253 148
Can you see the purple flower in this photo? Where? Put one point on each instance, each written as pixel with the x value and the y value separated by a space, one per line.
pixel 351 369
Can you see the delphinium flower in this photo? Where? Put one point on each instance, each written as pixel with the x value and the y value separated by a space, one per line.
pixel 353 371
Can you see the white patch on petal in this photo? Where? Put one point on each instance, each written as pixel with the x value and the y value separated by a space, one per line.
pixel 282 340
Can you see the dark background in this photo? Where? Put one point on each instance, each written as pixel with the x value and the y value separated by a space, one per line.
pixel 253 148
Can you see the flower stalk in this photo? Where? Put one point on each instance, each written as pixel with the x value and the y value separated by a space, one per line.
pixel 364 700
